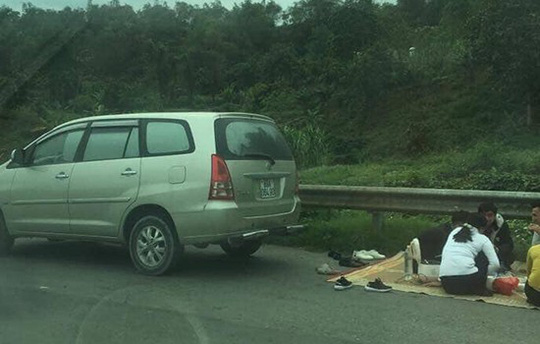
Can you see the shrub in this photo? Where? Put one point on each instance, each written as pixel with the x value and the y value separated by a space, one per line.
pixel 348 230
pixel 311 145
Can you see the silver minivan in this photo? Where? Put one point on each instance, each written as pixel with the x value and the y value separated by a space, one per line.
pixel 155 182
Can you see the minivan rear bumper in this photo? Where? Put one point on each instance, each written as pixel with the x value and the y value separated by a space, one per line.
pixel 272 231
pixel 222 220
pixel 287 230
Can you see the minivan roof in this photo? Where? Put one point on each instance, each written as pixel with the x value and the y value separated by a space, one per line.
pixel 170 115
pixel 160 115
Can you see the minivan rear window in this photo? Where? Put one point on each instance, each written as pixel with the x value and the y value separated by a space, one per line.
pixel 239 138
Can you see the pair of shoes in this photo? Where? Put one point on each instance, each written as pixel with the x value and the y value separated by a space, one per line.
pixel 377 286
pixel 342 283
pixel 350 262
pixel 326 269
pixel 368 255
pixel 334 254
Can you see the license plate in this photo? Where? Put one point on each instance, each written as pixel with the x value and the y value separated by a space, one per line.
pixel 268 188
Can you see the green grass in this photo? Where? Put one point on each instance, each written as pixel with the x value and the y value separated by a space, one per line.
pixel 522 238
pixel 348 230
pixel 485 166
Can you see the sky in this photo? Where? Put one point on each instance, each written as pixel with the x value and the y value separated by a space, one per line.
pixel 136 4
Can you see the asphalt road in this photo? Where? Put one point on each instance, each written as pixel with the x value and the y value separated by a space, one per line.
pixel 70 292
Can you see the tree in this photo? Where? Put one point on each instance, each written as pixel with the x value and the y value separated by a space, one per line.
pixel 505 37
pixel 413 10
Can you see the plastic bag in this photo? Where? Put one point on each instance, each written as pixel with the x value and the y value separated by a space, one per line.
pixel 505 285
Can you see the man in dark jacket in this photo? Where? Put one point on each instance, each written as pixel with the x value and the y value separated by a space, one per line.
pixel 432 240
pixel 498 232
pixel 534 226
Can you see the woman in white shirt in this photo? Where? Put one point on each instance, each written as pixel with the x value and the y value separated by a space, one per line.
pixel 467 258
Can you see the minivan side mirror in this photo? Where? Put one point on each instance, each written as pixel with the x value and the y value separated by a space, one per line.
pixel 17 156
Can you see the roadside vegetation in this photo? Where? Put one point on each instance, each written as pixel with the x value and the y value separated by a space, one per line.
pixel 423 93
pixel 348 230
pixel 485 166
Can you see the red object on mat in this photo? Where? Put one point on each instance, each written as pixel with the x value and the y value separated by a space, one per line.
pixel 505 285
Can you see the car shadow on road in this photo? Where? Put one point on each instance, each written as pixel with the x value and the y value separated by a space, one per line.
pixel 210 262
pixel 72 251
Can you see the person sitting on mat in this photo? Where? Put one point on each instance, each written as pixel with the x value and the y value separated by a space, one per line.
pixel 532 286
pixel 534 226
pixel 498 232
pixel 467 258
pixel 432 240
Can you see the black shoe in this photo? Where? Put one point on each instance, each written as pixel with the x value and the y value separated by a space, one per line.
pixel 351 263
pixel 377 286
pixel 342 283
pixel 334 254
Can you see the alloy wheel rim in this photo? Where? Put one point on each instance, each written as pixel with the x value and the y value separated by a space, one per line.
pixel 151 246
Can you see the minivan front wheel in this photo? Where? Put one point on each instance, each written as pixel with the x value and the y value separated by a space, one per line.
pixel 244 249
pixel 6 241
pixel 153 247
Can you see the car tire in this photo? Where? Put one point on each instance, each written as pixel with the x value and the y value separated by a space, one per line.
pixel 6 240
pixel 153 245
pixel 245 249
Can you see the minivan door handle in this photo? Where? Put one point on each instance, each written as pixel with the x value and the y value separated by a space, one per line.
pixel 129 172
pixel 61 175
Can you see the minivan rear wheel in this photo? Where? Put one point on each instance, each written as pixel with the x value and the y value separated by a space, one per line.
pixel 244 249
pixel 6 240
pixel 153 247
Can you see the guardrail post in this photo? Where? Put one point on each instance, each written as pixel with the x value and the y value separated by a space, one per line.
pixel 377 220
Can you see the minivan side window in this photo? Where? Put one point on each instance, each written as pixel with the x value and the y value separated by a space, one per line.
pixel 132 147
pixel 112 143
pixel 167 137
pixel 58 149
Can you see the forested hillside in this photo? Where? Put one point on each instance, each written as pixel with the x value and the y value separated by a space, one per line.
pixel 349 81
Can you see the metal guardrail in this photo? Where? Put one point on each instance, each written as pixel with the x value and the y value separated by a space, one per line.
pixel 415 201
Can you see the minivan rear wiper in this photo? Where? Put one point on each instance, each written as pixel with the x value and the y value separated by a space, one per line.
pixel 260 156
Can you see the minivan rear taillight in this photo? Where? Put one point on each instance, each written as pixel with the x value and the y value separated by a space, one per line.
pixel 221 183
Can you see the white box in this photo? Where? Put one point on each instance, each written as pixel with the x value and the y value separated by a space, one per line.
pixel 429 270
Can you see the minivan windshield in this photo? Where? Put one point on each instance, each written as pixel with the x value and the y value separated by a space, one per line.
pixel 250 139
